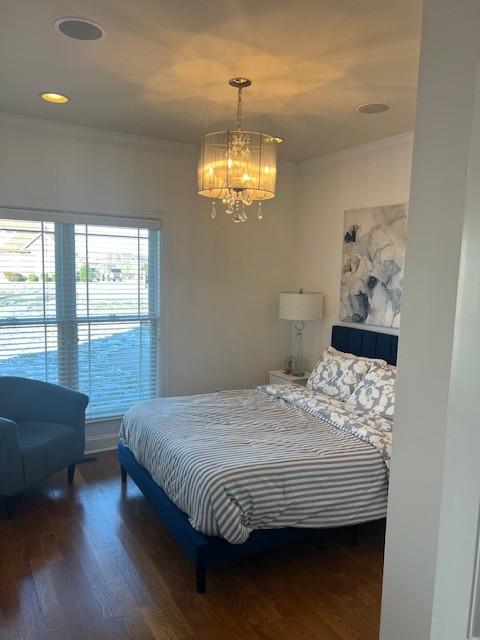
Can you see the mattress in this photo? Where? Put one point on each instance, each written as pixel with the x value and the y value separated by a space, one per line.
pixel 275 456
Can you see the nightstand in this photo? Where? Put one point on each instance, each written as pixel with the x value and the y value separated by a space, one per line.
pixel 279 377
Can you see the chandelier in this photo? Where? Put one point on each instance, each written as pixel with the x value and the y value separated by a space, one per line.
pixel 238 167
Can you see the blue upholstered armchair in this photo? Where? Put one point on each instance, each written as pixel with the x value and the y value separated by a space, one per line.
pixel 42 430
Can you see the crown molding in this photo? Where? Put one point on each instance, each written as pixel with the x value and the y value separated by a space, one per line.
pixel 80 131
pixel 384 144
pixel 286 167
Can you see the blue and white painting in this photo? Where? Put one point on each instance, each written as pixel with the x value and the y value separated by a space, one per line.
pixel 372 266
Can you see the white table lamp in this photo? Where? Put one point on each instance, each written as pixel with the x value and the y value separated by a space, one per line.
pixel 300 307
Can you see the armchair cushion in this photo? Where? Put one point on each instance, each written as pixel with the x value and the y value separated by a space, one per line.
pixel 46 447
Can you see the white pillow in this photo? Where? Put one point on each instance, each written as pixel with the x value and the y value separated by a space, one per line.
pixel 376 392
pixel 338 375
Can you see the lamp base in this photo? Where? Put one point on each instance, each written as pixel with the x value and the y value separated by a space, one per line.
pixel 298 368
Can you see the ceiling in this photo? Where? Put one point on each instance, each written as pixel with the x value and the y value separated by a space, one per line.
pixel 163 67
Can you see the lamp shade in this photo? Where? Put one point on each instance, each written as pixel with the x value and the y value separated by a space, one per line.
pixel 301 306
pixel 242 161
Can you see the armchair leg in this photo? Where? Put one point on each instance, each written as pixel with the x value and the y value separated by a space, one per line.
pixel 71 473
pixel 123 471
pixel 10 507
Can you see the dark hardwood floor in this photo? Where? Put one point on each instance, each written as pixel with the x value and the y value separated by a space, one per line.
pixel 91 561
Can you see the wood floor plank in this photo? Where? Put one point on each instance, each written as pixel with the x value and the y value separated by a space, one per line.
pixel 93 562
pixel 51 607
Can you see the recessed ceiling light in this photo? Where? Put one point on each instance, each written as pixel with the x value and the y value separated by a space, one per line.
pixel 373 107
pixel 56 98
pixel 79 28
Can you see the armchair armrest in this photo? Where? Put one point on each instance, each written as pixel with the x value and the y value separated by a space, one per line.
pixel 11 467
pixel 24 400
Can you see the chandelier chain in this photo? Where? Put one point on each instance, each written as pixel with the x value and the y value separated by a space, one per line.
pixel 239 109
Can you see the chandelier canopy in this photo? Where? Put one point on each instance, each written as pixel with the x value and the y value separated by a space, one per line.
pixel 238 167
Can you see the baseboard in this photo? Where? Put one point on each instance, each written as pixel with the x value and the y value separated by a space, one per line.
pixel 98 443
pixel 101 435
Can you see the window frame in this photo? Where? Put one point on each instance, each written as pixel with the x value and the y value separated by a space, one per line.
pixel 127 218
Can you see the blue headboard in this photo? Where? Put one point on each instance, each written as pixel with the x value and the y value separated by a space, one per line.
pixel 370 344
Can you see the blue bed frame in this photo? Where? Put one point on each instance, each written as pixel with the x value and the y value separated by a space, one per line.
pixel 206 551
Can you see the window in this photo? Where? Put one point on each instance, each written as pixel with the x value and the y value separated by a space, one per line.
pixel 79 306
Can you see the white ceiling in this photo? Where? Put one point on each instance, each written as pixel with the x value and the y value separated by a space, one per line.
pixel 163 67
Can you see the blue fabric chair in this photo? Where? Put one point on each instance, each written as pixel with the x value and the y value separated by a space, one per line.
pixel 42 430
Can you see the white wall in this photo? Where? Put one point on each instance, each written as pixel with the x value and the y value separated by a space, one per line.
pixel 435 476
pixel 371 175
pixel 459 514
pixel 224 278
pixel 224 330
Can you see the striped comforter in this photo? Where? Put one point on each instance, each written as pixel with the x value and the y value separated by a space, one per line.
pixel 236 461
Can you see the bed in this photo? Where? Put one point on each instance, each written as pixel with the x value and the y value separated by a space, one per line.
pixel 219 469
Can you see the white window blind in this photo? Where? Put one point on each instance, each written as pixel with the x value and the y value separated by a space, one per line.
pixel 79 306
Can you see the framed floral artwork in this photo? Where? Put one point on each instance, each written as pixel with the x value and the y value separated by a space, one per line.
pixel 372 265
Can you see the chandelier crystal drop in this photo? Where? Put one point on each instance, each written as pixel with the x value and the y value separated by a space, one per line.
pixel 238 167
